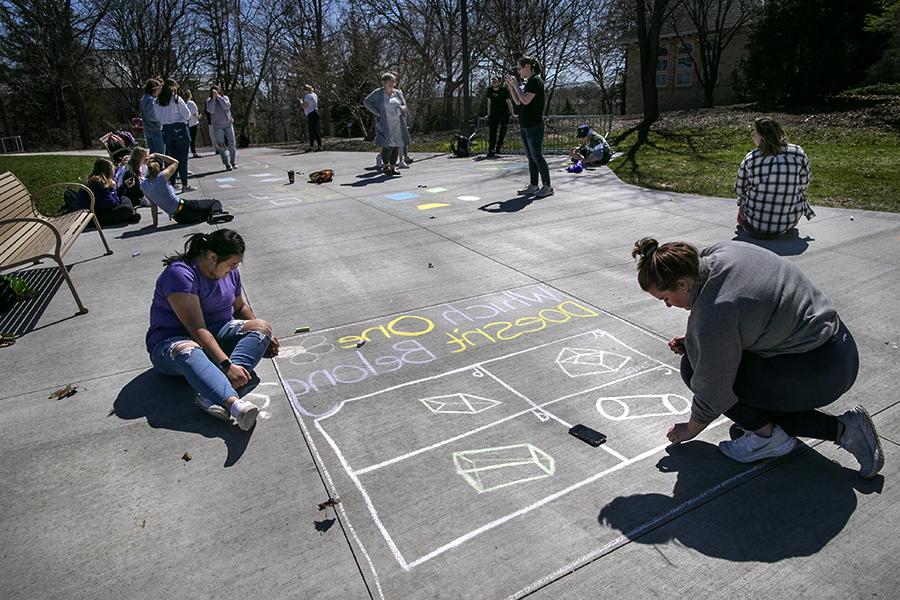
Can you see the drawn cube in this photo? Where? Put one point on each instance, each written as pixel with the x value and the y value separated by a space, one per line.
pixel 490 469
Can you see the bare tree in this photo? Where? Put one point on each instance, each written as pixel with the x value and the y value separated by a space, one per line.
pixel 713 24
pixel 649 18
pixel 602 56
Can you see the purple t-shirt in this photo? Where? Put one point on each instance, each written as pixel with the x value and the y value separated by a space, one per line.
pixel 217 298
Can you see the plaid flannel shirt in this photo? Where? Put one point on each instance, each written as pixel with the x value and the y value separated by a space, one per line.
pixel 770 189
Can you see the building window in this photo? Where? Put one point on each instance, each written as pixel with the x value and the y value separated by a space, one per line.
pixel 684 69
pixel 662 68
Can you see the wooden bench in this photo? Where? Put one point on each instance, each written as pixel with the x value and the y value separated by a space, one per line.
pixel 27 236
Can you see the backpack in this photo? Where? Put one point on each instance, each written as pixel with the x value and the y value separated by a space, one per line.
pixel 8 296
pixel 72 201
pixel 460 145
pixel 321 176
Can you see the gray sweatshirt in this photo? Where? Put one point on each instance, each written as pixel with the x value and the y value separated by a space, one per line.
pixel 148 114
pixel 219 110
pixel 748 299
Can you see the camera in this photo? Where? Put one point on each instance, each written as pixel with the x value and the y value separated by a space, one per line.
pixel 514 71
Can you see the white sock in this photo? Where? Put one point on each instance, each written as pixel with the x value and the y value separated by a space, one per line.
pixel 236 408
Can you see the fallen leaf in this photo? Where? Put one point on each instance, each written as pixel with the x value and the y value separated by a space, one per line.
pixel 187 457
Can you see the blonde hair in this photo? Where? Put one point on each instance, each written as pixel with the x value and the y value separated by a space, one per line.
pixel 772 139
pixel 661 267
pixel 154 167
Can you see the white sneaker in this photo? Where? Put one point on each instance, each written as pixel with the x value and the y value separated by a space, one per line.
pixel 403 165
pixel 751 447
pixel 531 189
pixel 544 192
pixel 861 440
pixel 216 410
pixel 245 414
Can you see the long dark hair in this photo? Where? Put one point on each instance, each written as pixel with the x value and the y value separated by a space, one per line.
pixel 169 90
pixel 532 62
pixel 223 242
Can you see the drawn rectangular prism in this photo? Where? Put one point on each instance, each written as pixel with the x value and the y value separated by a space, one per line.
pixel 494 468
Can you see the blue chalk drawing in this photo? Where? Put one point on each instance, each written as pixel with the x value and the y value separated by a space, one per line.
pixel 401 196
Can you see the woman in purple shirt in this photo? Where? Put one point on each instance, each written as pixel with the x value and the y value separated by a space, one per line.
pixel 202 329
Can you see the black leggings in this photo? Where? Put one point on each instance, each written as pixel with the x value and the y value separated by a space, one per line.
pixel 495 141
pixel 196 211
pixel 390 156
pixel 193 130
pixel 312 122
pixel 123 213
pixel 786 389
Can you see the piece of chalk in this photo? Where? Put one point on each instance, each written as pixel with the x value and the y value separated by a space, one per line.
pixel 303 329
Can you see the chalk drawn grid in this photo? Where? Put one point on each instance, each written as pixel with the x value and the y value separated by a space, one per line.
pixel 538 410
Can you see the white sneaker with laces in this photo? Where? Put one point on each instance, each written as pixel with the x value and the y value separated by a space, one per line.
pixel 216 410
pixel 861 440
pixel 403 165
pixel 752 447
pixel 245 414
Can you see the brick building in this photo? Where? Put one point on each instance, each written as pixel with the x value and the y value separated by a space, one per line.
pixel 676 82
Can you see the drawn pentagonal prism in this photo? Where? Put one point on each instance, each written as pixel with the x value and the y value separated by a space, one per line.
pixel 578 362
pixel 490 469
pixel 460 404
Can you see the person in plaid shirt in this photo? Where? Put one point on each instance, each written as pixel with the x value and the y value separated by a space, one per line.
pixel 771 183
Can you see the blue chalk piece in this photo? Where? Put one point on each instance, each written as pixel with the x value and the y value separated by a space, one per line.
pixel 401 196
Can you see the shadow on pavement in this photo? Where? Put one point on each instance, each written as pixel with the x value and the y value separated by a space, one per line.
pixel 149 229
pixel 512 205
pixel 793 510
pixel 790 244
pixel 369 178
pixel 166 403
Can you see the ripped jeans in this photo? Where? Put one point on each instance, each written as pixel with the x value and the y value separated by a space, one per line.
pixel 244 348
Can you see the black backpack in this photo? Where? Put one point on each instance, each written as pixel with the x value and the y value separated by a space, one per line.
pixel 460 145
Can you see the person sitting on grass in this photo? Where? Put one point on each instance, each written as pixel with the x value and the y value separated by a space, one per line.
pixel 771 183
pixel 161 194
pixel 110 208
pixel 763 346
pixel 202 329
pixel 593 148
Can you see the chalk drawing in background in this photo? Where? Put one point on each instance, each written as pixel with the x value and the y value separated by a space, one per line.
pixel 459 404
pixel 490 469
pixel 578 362
pixel 623 408
pixel 309 350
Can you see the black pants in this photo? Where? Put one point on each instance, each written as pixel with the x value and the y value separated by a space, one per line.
pixel 196 211
pixel 495 126
pixel 193 130
pixel 390 156
pixel 786 389
pixel 312 122
pixel 123 213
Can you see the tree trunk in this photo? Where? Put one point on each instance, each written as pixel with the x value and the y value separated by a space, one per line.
pixel 81 119
pixel 648 87
pixel 709 89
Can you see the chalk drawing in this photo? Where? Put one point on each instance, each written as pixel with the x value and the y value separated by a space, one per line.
pixel 459 404
pixel 578 362
pixel 287 201
pixel 490 469
pixel 401 196
pixel 624 408
pixel 431 206
pixel 469 198
pixel 226 180
pixel 436 190
pixel 309 350
pixel 262 175
pixel 261 400
pixel 271 179
pixel 226 186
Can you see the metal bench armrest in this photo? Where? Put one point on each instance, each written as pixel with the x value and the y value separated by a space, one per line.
pixel 55 231
pixel 64 184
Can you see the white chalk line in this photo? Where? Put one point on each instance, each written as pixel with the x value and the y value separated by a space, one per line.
pixel 603 447
pixel 636 532
pixel 480 365
pixel 471 432
pixel 541 502
pixel 365 495
pixel 332 489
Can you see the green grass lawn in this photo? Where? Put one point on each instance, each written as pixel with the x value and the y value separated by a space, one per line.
pixel 39 171
pixel 850 168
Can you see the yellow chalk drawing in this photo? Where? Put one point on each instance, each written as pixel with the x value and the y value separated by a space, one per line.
pixel 431 205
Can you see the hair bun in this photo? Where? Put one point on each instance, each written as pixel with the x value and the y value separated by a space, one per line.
pixel 644 248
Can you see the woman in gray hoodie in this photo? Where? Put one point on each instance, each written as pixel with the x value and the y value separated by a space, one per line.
pixel 763 346
pixel 391 133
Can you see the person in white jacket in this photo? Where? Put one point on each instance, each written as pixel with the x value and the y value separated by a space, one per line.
pixel 174 115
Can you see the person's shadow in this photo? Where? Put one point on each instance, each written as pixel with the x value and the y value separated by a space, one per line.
pixel 167 403
pixel 368 179
pixel 512 205
pixel 792 510
pixel 790 244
